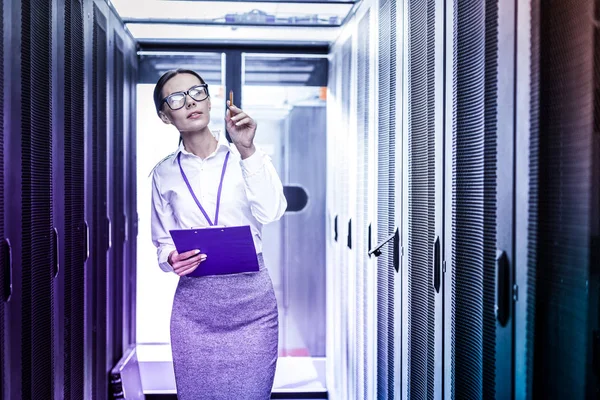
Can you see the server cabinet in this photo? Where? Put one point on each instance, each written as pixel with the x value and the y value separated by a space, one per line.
pixel 9 241
pixel 116 192
pixel 479 199
pixel 4 256
pixel 387 193
pixel 74 243
pixel 343 213
pixel 560 315
pixel 131 216
pixel 97 265
pixel 338 185
pixel 53 340
pixel 359 241
pixel 108 201
pixel 424 177
pixel 39 260
pixel 332 301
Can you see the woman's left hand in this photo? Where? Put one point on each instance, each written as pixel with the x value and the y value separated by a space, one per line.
pixel 241 128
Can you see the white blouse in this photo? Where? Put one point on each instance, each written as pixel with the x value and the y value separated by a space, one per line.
pixel 252 194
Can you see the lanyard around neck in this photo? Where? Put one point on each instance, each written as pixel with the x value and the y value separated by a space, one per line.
pixel 194 195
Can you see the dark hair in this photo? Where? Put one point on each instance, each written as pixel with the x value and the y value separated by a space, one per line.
pixel 158 96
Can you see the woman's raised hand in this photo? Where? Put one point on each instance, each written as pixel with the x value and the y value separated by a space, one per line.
pixel 185 263
pixel 241 128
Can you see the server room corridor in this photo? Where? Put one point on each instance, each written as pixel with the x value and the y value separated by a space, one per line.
pixel 440 161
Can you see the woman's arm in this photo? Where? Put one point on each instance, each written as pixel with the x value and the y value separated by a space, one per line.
pixel 162 221
pixel 263 187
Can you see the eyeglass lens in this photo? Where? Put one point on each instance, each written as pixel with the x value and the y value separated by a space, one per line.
pixel 177 100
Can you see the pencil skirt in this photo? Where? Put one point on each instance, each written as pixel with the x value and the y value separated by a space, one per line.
pixel 224 336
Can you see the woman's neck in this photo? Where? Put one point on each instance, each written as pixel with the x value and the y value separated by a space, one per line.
pixel 202 144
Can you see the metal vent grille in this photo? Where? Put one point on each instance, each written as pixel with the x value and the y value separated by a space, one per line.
pixel 99 230
pixel 3 277
pixel 561 160
pixel 362 212
pixel 421 198
pixel 74 201
pixel 38 244
pixel 532 241
pixel 474 199
pixel 386 198
pixel 118 184
pixel 132 227
pixel 343 204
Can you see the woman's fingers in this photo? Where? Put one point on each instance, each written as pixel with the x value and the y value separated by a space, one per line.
pixel 233 108
pixel 187 254
pixel 234 113
pixel 188 270
pixel 239 116
pixel 245 121
pixel 187 265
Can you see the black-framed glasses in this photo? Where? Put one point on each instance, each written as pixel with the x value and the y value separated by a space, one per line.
pixel 177 100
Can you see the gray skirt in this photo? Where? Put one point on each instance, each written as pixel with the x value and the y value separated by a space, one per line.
pixel 224 334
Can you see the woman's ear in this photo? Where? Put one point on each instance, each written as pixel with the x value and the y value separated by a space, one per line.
pixel 164 118
pixel 209 104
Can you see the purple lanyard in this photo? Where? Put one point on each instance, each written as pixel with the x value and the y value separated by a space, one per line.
pixel 194 195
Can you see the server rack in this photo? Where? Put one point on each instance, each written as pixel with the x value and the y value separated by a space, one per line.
pixel 48 320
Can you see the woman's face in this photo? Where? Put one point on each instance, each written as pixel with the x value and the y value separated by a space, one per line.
pixel 194 116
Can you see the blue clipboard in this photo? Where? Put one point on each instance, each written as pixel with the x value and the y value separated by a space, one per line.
pixel 229 250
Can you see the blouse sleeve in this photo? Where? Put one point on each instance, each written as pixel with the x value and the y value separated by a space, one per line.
pixel 162 221
pixel 263 187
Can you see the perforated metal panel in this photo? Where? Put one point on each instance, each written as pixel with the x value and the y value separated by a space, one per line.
pixel 99 229
pixel 421 197
pixel 533 191
pixel 560 203
pixel 386 198
pixel 74 201
pixel 132 227
pixel 118 201
pixel 362 216
pixel 474 199
pixel 343 201
pixel 3 246
pixel 38 245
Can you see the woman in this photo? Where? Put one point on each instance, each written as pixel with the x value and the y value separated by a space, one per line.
pixel 224 328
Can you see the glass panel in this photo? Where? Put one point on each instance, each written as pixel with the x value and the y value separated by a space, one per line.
pixel 155 141
pixel 290 112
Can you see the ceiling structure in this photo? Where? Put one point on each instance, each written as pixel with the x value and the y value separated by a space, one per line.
pixel 259 69
pixel 314 22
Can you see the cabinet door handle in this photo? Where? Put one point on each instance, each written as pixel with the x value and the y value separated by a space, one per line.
pixel 370 239
pixel 437 265
pixel 86 232
pixel 109 232
pixel 7 285
pixel 397 250
pixel 350 233
pixel 335 228
pixel 56 260
pixel 503 294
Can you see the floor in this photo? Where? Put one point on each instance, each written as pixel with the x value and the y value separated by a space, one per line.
pixel 295 377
